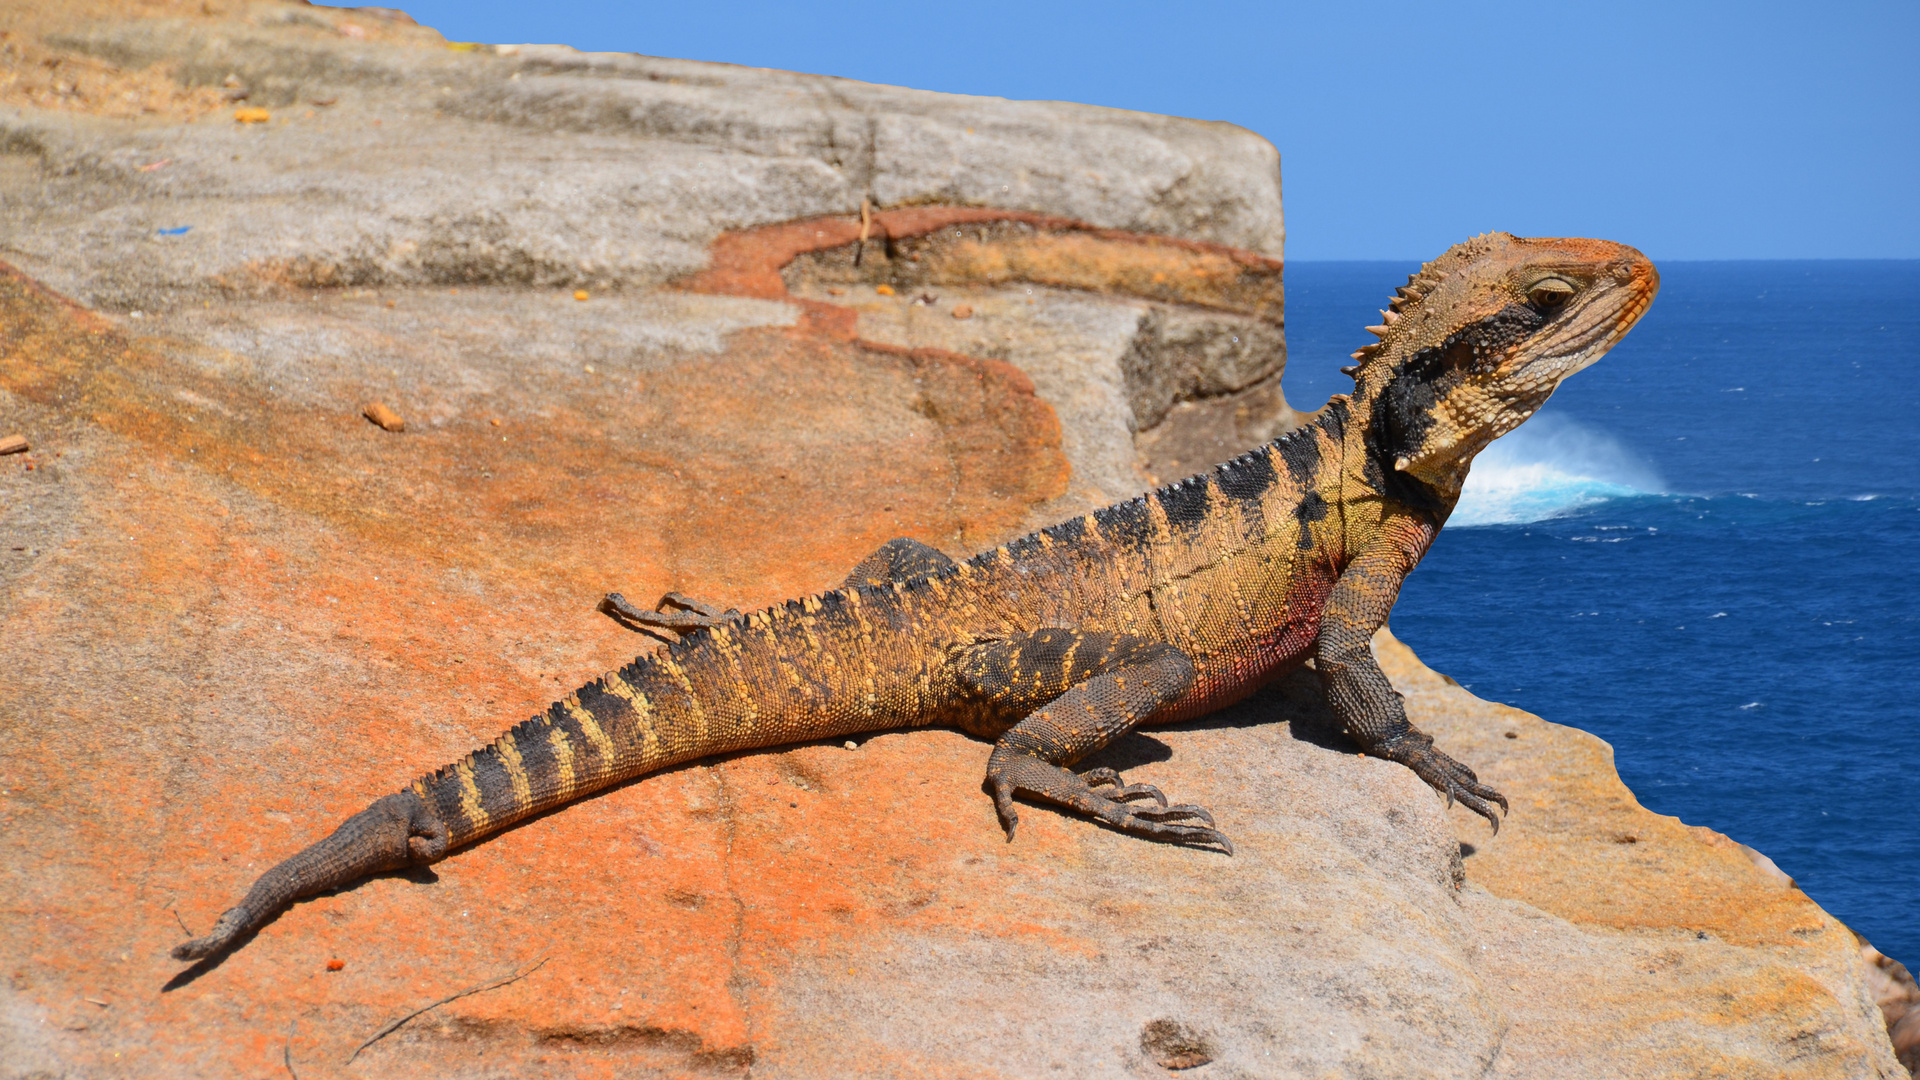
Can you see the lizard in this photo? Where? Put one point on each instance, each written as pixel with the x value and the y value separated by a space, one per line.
pixel 1148 612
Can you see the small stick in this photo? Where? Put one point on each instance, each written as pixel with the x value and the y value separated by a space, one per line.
pixel 866 226
pixel 396 1025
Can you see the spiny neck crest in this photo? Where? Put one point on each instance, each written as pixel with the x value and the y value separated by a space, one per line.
pixel 1409 299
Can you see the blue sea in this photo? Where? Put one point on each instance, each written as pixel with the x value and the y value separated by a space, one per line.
pixel 1703 550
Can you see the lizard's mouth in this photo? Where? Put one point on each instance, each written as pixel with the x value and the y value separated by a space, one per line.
pixel 1583 335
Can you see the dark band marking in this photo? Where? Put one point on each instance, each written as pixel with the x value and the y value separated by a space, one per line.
pixel 496 787
pixel 1127 524
pixel 1025 547
pixel 449 801
pixel 1247 479
pixel 1069 532
pixel 1333 419
pixel 1312 508
pixel 1185 503
pixel 610 711
pixel 586 759
pixel 1403 412
pixel 536 759
pixel 1300 449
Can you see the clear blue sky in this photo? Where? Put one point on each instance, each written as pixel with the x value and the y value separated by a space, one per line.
pixel 1692 130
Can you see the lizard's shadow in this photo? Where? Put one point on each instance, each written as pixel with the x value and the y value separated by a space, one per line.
pixel 1294 699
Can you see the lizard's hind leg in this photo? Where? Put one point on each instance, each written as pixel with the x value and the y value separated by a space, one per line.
pixel 1079 693
pixel 899 559
pixel 686 614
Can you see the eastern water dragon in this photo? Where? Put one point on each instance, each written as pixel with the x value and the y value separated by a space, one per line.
pixel 1149 612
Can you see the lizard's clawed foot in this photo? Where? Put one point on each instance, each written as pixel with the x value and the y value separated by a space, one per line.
pixel 1011 772
pixel 1415 750
pixel 1123 791
pixel 686 616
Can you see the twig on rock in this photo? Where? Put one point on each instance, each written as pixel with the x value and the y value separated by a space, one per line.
pixel 493 985
pixel 866 225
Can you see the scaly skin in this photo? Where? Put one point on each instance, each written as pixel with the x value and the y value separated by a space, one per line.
pixel 1153 611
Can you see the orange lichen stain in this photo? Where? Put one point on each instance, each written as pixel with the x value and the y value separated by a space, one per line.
pixel 1107 261
pixel 1052 251
pixel 597 515
pixel 297 590
pixel 252 116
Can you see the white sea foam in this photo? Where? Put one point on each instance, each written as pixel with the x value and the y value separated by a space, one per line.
pixel 1550 466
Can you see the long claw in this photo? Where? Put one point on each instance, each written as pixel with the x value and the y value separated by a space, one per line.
pixel 1479 806
pixel 1174 813
pixel 1160 821
pixel 1003 805
pixel 1154 821
pixel 1445 775
pixel 1122 791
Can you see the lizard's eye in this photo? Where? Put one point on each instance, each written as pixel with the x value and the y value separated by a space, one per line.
pixel 1549 293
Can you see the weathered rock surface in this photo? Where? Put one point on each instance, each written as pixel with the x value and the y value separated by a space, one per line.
pixel 1898 996
pixel 235 611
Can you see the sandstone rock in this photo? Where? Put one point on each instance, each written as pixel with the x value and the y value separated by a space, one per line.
pixel 540 167
pixel 237 611
pixel 1894 990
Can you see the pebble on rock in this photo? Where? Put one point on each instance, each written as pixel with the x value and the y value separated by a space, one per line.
pixel 963 311
pixel 384 417
pixel 1174 1046
pixel 14 444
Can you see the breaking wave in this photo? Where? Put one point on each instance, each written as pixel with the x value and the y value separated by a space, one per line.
pixel 1548 467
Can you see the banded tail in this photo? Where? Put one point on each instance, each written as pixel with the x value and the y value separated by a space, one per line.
pixel 733 687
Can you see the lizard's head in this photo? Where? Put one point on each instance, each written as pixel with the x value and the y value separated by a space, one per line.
pixel 1480 337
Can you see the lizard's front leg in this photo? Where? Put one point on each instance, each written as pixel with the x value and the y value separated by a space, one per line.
pixel 1358 691
pixel 1079 692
